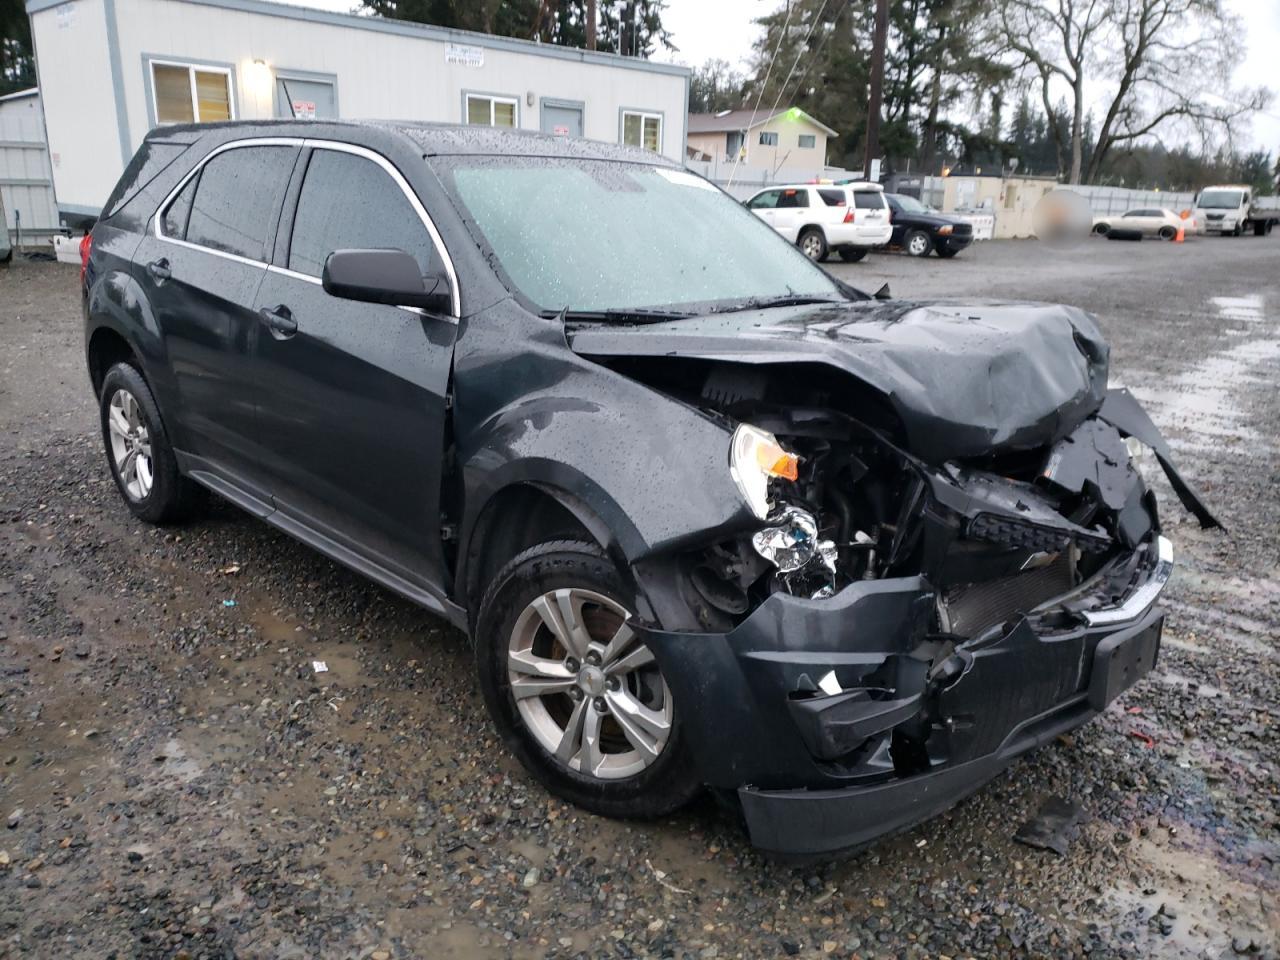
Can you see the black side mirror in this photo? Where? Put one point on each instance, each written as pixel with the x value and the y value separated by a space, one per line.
pixel 383 276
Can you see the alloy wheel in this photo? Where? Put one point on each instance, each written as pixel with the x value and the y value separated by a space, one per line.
pixel 811 246
pixel 130 445
pixel 586 688
pixel 919 243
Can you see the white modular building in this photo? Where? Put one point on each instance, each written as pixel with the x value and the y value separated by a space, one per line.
pixel 111 70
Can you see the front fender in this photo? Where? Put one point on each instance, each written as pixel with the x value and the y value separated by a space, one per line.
pixel 529 410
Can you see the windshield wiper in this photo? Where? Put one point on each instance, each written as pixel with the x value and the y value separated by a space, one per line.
pixel 762 303
pixel 617 315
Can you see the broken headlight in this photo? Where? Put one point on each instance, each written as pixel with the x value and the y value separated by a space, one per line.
pixel 755 456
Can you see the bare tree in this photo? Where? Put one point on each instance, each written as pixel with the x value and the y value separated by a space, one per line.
pixel 1153 64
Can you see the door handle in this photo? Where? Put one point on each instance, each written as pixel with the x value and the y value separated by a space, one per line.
pixel 159 270
pixel 279 321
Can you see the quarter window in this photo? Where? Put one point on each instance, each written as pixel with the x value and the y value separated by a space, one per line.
pixel 642 130
pixel 333 216
pixel 191 94
pixel 491 111
pixel 175 217
pixel 808 141
pixel 238 199
pixel 768 139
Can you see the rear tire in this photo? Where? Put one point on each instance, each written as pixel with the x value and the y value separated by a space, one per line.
pixel 1167 233
pixel 138 452
pixel 918 243
pixel 853 254
pixel 600 737
pixel 1101 229
pixel 812 244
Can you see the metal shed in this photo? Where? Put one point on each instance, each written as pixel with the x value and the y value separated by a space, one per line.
pixel 110 70
pixel 26 186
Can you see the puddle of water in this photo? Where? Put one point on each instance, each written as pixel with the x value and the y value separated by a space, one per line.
pixel 1210 906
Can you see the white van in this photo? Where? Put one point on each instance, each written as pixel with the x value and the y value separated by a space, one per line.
pixel 820 218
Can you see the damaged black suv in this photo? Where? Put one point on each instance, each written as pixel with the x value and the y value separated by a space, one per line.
pixel 711 518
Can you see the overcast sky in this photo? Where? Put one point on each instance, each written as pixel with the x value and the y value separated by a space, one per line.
pixel 725 29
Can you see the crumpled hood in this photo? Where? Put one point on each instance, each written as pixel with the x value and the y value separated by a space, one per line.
pixel 966 378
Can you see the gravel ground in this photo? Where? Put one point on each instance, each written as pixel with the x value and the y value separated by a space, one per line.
pixel 176 781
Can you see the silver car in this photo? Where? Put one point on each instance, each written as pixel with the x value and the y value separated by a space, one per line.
pixel 1148 221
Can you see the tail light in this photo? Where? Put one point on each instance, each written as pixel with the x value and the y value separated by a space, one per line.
pixel 86 247
pixel 848 215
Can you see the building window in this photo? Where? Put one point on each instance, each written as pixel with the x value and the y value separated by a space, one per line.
pixel 642 130
pixel 185 93
pixel 808 141
pixel 491 111
pixel 768 139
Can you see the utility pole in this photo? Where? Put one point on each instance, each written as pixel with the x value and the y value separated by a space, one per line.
pixel 876 98
pixel 591 24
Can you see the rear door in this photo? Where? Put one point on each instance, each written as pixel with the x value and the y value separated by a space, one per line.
pixel 792 212
pixel 299 98
pixel 871 214
pixel 199 265
pixel 561 118
pixel 353 394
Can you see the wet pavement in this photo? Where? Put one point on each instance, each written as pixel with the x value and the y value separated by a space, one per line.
pixel 177 780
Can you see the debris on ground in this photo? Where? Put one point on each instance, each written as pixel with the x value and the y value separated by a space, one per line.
pixel 1054 826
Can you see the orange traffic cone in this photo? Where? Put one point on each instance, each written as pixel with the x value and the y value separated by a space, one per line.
pixel 1180 236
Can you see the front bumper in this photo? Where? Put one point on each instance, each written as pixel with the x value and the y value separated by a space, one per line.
pixel 816 761
pixel 953 243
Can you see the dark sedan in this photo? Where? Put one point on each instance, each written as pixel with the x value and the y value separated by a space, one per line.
pixel 919 229
pixel 710 517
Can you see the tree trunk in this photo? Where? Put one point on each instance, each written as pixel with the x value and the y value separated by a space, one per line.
pixel 1077 133
pixel 591 24
pixel 931 124
pixel 876 98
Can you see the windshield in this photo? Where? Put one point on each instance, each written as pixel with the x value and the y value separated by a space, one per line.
pixel 1220 199
pixel 601 236
pixel 910 204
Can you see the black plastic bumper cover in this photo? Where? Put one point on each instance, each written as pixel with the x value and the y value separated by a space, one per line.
pixel 746 734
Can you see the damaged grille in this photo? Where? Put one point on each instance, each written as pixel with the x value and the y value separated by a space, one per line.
pixel 972 608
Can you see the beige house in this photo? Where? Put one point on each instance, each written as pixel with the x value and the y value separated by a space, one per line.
pixel 788 139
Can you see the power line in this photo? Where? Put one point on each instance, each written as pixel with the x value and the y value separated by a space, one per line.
pixel 760 96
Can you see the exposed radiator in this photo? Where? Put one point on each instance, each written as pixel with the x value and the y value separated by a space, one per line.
pixel 972 608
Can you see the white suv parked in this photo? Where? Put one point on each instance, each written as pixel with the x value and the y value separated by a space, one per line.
pixel 849 218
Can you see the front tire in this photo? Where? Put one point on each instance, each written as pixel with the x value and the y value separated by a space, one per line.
pixel 918 243
pixel 813 244
pixel 852 254
pixel 573 693
pixel 946 253
pixel 1167 233
pixel 138 452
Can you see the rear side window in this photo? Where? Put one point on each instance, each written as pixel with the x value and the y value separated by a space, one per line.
pixel 793 198
pixel 832 198
pixel 868 199
pixel 349 202
pixel 238 199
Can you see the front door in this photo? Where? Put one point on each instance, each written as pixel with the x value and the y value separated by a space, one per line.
pixel 561 119
pixel 200 268
pixel 298 99
pixel 353 394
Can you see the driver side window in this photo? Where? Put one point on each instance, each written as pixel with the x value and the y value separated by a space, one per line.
pixel 765 201
pixel 349 202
